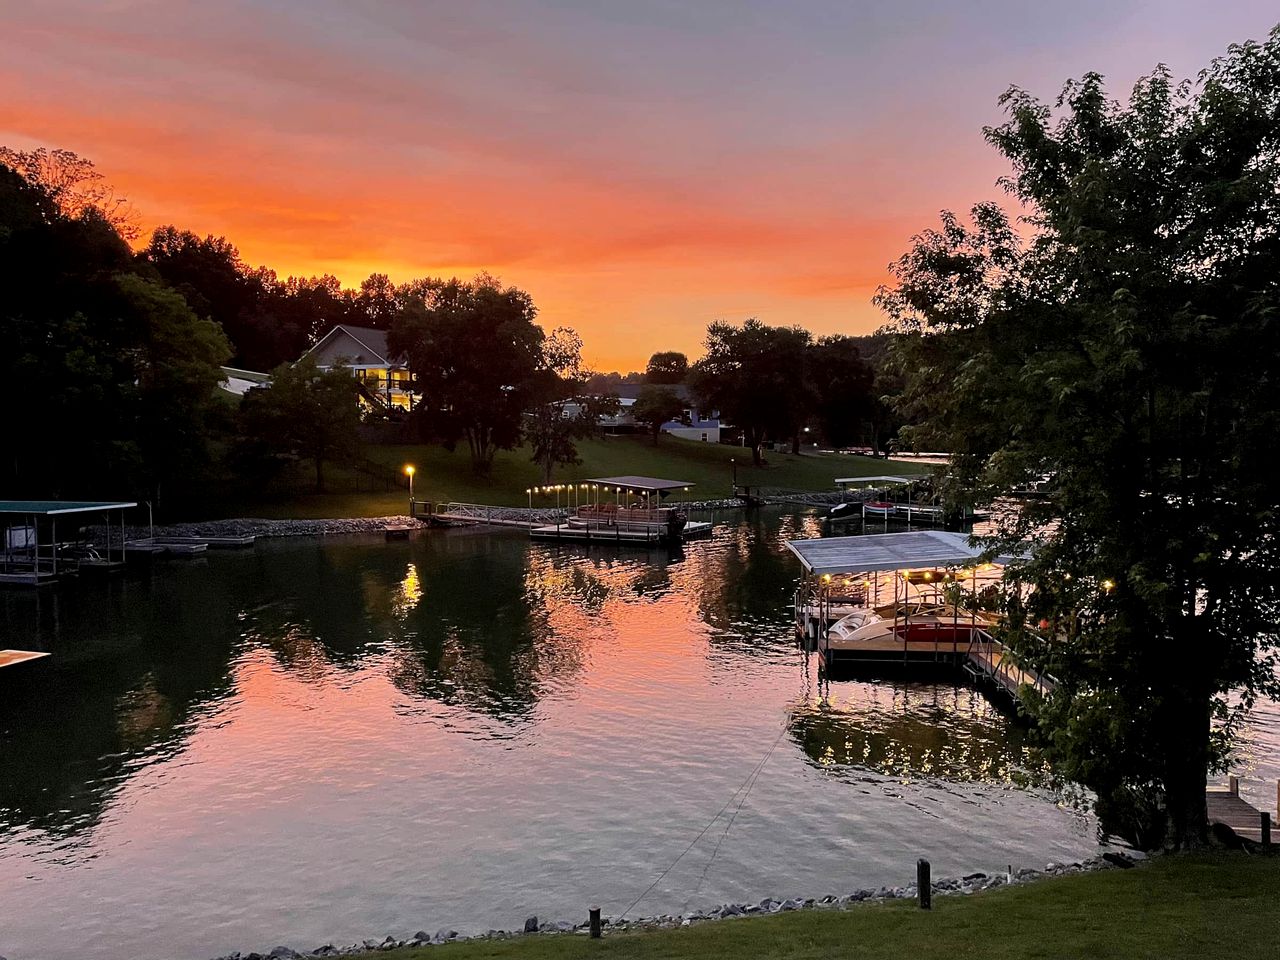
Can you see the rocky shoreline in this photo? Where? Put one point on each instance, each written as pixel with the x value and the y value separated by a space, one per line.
pixel 963 886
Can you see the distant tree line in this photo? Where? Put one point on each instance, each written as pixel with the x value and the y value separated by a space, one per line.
pixel 115 355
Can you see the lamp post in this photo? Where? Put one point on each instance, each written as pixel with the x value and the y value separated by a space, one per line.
pixel 733 463
pixel 409 471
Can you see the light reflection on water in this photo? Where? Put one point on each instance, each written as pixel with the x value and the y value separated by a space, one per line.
pixel 329 740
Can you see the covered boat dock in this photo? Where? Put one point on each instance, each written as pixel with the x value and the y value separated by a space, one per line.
pixel 919 595
pixel 635 515
pixel 30 549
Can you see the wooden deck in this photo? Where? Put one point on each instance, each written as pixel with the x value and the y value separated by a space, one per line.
pixel 11 658
pixel 1228 808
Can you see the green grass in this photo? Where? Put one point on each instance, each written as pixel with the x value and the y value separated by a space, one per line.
pixel 1211 906
pixel 442 475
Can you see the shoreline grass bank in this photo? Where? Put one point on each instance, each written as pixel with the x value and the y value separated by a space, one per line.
pixel 1216 906
pixel 443 475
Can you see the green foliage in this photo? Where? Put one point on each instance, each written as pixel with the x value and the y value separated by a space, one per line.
pixel 1126 356
pixel 755 376
pixel 305 414
pixel 177 372
pixel 476 357
pixel 842 382
pixel 114 378
pixel 562 412
pixel 669 366
pixel 655 406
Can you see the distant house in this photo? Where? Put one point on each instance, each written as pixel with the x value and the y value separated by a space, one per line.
pixel 384 379
pixel 692 425
pixel 239 382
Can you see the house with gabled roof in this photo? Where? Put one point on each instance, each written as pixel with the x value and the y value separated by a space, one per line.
pixel 384 378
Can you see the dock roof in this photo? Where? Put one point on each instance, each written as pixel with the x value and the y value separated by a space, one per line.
pixel 53 508
pixel 887 551
pixel 844 481
pixel 642 483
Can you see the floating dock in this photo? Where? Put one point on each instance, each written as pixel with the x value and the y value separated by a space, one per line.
pixel 13 658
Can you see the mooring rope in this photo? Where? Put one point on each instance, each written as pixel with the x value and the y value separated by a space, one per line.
pixel 744 788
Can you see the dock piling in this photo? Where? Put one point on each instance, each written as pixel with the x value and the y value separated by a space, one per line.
pixel 924 886
pixel 1233 785
pixel 595 923
pixel 1266 831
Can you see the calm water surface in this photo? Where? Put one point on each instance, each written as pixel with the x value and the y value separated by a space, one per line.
pixel 330 740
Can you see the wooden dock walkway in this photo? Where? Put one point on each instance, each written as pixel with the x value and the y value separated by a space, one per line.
pixel 11 658
pixel 1228 808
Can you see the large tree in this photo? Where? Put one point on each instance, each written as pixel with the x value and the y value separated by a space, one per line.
pixel 305 414
pixel 754 375
pixel 476 357
pixel 667 366
pixel 561 411
pixel 116 375
pixel 843 389
pixel 74 185
pixel 656 405
pixel 1125 348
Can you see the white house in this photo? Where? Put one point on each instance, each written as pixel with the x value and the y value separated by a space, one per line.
pixel 691 425
pixel 384 379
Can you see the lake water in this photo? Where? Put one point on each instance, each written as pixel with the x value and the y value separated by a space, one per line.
pixel 323 741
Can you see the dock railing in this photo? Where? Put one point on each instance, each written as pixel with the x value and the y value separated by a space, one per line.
pixel 992 658
pixel 502 516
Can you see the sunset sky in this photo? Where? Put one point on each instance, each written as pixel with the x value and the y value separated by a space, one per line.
pixel 640 167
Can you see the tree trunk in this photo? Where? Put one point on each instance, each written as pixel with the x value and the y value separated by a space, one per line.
pixel 1186 775
pixel 795 444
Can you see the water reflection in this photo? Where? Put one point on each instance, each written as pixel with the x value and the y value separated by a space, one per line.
pixel 471 629
pixel 911 732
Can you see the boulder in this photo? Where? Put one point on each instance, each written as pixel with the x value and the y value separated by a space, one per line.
pixel 531 925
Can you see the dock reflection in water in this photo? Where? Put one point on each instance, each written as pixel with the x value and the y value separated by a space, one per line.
pixel 330 740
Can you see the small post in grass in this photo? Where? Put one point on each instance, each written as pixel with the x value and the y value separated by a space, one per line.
pixel 1266 831
pixel 595 923
pixel 924 887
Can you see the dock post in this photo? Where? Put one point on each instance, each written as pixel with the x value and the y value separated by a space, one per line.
pixel 924 886
pixel 595 923
pixel 1233 785
pixel 1266 831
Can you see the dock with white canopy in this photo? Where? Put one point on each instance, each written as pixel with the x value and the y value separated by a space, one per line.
pixel 920 597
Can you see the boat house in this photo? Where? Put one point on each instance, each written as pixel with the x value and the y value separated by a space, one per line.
pixel 31 552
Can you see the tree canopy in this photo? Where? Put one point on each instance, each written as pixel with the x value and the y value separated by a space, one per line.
pixel 1122 349
pixel 117 375
pixel 668 366
pixel 476 357
pixel 754 375
pixel 656 405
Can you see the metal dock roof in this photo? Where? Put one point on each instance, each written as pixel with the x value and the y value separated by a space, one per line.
pixel 641 483
pixel 887 551
pixel 52 508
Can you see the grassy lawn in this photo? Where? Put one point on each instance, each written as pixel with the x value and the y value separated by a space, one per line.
pixel 1212 906
pixel 442 475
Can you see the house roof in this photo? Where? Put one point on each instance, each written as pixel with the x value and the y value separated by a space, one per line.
pixel 374 341
pixel 887 551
